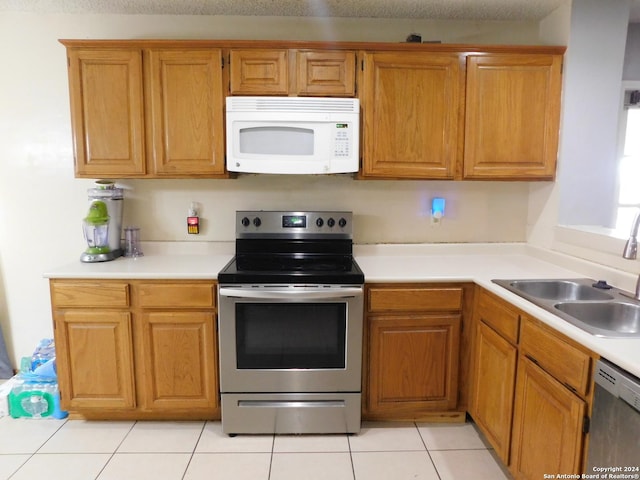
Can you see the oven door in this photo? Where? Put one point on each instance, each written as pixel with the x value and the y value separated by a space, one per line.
pixel 290 338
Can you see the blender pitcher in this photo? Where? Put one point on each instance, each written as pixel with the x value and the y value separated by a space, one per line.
pixel 95 227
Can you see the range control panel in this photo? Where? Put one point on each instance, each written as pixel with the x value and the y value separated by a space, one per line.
pixel 262 223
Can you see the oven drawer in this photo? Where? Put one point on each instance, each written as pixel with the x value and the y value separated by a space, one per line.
pixel 291 413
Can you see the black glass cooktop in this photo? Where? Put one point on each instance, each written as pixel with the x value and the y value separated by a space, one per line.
pixel 337 271
pixel 277 261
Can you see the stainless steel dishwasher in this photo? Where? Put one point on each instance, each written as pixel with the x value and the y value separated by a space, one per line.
pixel 614 444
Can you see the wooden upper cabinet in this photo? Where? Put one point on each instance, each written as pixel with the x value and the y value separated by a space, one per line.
pixel 512 116
pixel 292 72
pixel 106 95
pixel 329 73
pixel 259 72
pixel 185 105
pixel 411 104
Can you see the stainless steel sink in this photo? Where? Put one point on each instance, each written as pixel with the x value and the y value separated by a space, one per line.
pixel 594 307
pixel 565 290
pixel 603 318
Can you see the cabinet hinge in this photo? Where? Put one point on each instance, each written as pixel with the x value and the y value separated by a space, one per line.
pixel 362 65
pixel 586 423
pixel 222 62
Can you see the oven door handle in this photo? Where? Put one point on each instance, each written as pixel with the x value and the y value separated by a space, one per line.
pixel 347 292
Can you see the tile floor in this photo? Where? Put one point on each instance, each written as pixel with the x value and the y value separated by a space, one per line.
pixel 87 450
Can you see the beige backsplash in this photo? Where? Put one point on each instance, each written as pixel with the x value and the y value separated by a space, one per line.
pixel 384 211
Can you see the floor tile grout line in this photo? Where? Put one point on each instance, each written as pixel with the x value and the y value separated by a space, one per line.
pixel 31 455
pixel 195 447
pixel 116 449
pixel 273 445
pixel 435 468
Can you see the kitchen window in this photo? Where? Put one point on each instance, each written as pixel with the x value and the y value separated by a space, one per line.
pixel 628 201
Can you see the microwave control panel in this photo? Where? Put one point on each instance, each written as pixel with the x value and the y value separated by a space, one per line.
pixel 342 140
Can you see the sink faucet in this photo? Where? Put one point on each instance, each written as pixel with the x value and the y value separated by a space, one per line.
pixel 630 251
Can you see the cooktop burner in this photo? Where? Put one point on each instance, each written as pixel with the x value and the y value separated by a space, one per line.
pixel 293 247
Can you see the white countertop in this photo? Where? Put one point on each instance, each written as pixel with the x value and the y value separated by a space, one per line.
pixel 478 263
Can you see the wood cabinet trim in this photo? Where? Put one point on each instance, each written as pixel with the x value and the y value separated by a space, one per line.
pixel 322 45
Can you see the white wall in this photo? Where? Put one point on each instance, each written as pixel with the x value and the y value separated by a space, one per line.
pixel 593 73
pixel 582 193
pixel 41 204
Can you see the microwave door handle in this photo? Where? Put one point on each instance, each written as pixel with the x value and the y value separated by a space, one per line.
pixel 290 293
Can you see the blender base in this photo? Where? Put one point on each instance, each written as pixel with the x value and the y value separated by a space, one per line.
pixel 100 257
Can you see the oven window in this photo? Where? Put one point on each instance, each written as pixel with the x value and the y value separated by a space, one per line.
pixel 291 335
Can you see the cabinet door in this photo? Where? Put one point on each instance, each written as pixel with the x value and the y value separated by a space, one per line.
pixel 259 72
pixel 105 89
pixel 178 360
pixel 493 388
pixel 96 368
pixel 185 112
pixel 512 116
pixel 328 73
pixel 411 105
pixel 547 428
pixel 413 363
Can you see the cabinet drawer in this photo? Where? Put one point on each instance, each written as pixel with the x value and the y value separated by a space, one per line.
pixel 498 316
pixel 176 295
pixel 562 360
pixel 89 294
pixel 404 299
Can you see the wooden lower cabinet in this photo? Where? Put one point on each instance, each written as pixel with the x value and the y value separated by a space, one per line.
pixel 177 348
pixel 413 364
pixel 150 353
pixel 531 390
pixel 412 352
pixel 94 359
pixel 547 426
pixel 493 388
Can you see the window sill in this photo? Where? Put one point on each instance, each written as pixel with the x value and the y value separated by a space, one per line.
pixel 597 244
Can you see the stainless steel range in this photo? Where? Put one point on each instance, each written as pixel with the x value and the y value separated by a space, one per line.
pixel 290 325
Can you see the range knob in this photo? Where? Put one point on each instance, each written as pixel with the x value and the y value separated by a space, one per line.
pixel 319 222
pixel 245 222
pixel 257 222
pixel 342 222
pixel 331 222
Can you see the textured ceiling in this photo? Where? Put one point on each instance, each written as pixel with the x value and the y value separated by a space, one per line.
pixel 428 9
pixel 435 9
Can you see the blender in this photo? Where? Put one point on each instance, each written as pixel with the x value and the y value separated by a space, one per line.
pixel 102 225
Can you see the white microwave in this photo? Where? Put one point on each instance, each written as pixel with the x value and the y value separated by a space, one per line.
pixel 293 135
